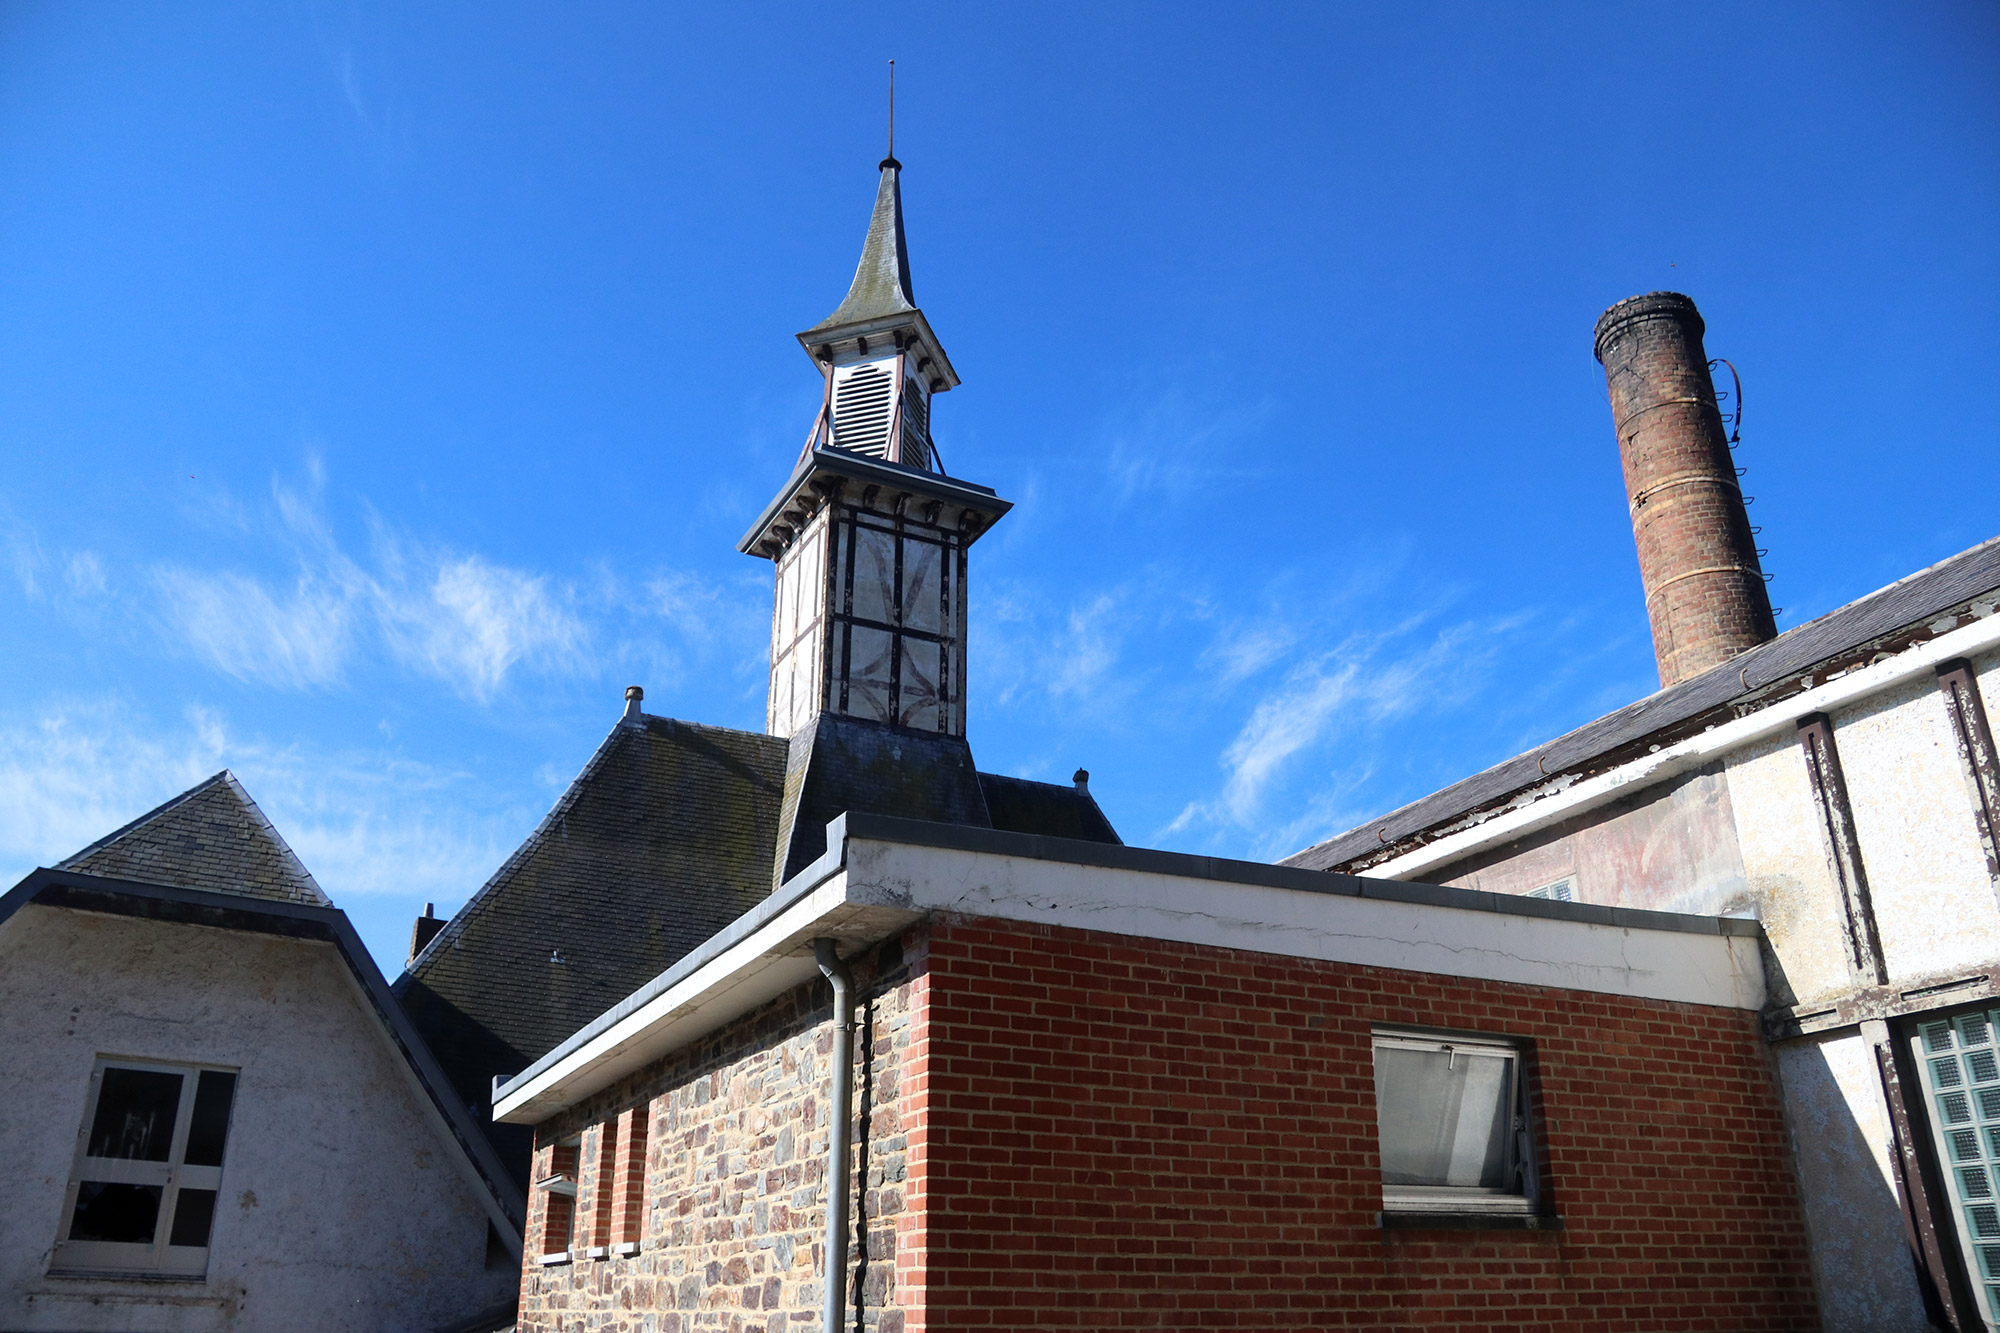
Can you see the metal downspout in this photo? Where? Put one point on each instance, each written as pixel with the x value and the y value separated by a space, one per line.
pixel 834 1312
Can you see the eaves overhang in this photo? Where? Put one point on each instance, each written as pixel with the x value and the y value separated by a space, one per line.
pixel 884 326
pixel 880 874
pixel 823 463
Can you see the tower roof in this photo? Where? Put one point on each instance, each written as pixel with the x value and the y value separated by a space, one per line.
pixel 882 279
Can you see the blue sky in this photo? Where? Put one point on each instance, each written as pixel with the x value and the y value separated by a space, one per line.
pixel 383 387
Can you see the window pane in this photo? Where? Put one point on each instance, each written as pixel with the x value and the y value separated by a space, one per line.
pixel 121 1213
pixel 212 1095
pixel 1446 1117
pixel 135 1115
pixel 194 1211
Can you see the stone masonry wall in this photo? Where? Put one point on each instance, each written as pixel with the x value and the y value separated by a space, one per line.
pixel 732 1213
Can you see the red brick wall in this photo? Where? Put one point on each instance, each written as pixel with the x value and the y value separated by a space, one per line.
pixel 1133 1134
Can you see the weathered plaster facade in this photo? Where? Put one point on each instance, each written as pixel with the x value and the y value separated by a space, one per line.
pixel 343 1206
pixel 1749 835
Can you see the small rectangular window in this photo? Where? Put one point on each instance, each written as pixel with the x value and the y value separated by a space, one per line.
pixel 1452 1116
pixel 147 1169
pixel 1562 891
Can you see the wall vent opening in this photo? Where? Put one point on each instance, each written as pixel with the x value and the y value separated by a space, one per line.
pixel 861 409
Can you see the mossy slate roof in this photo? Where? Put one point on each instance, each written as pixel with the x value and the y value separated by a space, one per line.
pixel 212 836
pixel 670 832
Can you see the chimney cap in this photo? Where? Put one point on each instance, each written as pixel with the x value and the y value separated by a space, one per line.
pixel 1082 780
pixel 633 694
pixel 1647 305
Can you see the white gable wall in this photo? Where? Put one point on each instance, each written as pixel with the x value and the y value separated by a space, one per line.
pixel 342 1205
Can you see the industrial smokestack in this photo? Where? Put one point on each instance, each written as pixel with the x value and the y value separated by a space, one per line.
pixel 1705 592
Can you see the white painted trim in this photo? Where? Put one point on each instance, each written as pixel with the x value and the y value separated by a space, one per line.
pixel 1542 806
pixel 875 886
pixel 1555 951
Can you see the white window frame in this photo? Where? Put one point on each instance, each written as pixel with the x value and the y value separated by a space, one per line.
pixel 1522 1161
pixel 158 1258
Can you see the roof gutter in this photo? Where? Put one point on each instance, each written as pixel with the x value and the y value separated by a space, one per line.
pixel 1539 807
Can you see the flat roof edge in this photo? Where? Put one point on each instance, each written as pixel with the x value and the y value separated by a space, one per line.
pixel 1038 847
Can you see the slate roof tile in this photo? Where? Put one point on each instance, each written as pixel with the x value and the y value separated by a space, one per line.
pixel 212 836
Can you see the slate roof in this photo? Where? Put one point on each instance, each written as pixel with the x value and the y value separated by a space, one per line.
pixel 841 764
pixel 1050 809
pixel 672 831
pixel 665 837
pixel 1888 620
pixel 882 279
pixel 212 836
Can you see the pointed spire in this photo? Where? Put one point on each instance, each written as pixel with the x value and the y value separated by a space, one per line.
pixel 882 280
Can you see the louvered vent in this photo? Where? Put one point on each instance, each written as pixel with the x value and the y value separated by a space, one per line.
pixel 861 410
pixel 916 428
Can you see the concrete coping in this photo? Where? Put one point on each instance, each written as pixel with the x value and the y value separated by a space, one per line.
pixel 1035 847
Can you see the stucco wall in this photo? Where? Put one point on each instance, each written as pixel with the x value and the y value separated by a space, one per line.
pixel 341 1207
pixel 1913 814
pixel 1670 849
pixel 1840 1135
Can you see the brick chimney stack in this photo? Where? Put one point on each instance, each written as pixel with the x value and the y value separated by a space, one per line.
pixel 1705 592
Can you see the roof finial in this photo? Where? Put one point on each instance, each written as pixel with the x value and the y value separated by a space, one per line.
pixel 890 161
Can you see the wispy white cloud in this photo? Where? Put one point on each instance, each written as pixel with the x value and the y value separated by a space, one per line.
pixel 457 617
pixel 1174 440
pixel 296 638
pixel 362 822
pixel 467 621
pixel 1348 693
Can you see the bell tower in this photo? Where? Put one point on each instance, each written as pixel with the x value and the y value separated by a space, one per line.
pixel 869 535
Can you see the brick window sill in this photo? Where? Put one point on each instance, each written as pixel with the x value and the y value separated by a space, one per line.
pixel 1442 1220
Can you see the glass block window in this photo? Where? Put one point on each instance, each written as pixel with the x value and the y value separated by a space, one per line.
pixel 147 1171
pixel 1452 1115
pixel 1959 1065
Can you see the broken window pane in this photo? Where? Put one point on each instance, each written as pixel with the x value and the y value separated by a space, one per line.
pixel 135 1115
pixel 120 1213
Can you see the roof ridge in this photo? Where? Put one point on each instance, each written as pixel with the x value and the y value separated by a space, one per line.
pixel 289 859
pixel 158 810
pixel 455 927
pixel 1697 694
pixel 284 848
